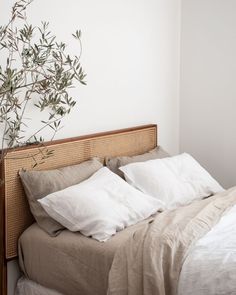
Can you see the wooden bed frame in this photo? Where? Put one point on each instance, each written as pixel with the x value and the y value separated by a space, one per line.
pixel 15 215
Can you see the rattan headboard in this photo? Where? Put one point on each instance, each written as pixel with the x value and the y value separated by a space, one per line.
pixel 130 141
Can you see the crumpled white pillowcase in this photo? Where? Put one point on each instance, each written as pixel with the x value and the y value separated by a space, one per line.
pixel 176 180
pixel 100 206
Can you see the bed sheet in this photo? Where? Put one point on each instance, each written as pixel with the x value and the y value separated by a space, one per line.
pixel 70 263
pixel 28 287
pixel 210 267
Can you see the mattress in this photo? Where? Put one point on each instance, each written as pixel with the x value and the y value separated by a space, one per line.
pixel 70 263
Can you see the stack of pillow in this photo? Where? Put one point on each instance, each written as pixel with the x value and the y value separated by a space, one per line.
pixel 96 201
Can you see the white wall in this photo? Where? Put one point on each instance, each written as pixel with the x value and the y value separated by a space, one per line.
pixel 131 56
pixel 208 85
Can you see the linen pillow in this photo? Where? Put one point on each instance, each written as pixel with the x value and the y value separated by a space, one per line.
pixel 100 206
pixel 175 180
pixel 38 184
pixel 114 163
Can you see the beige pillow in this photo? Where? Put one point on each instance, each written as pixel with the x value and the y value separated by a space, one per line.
pixel 38 184
pixel 114 163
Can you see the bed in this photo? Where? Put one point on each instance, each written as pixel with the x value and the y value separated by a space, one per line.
pixel 15 213
pixel 128 263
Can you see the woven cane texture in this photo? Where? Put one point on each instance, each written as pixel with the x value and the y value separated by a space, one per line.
pixel 67 152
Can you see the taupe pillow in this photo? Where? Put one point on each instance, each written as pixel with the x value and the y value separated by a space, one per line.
pixel 38 184
pixel 114 163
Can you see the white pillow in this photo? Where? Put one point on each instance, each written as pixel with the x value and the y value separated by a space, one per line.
pixel 100 205
pixel 174 180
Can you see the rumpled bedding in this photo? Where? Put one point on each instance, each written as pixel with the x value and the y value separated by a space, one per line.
pixel 210 268
pixel 190 250
pixel 150 262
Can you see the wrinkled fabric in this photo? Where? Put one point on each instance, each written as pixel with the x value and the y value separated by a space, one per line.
pixel 150 262
pixel 210 267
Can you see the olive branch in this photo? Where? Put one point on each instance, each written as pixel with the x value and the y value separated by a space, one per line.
pixel 37 71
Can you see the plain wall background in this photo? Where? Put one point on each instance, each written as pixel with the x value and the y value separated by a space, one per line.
pixel 131 56
pixel 208 87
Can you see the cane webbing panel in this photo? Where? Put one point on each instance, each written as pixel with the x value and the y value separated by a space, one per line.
pixel 67 152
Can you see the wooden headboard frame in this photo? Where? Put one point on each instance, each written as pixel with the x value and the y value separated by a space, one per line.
pixel 15 210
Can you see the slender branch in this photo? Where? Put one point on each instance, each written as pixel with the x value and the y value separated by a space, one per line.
pixel 14 15
pixel 41 147
pixel 25 85
pixel 3 139
pixel 45 77
pixel 42 128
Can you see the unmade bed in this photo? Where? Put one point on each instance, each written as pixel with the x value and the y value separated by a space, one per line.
pixel 74 264
pixel 146 224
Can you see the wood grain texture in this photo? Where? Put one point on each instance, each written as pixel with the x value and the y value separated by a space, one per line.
pixel 131 141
